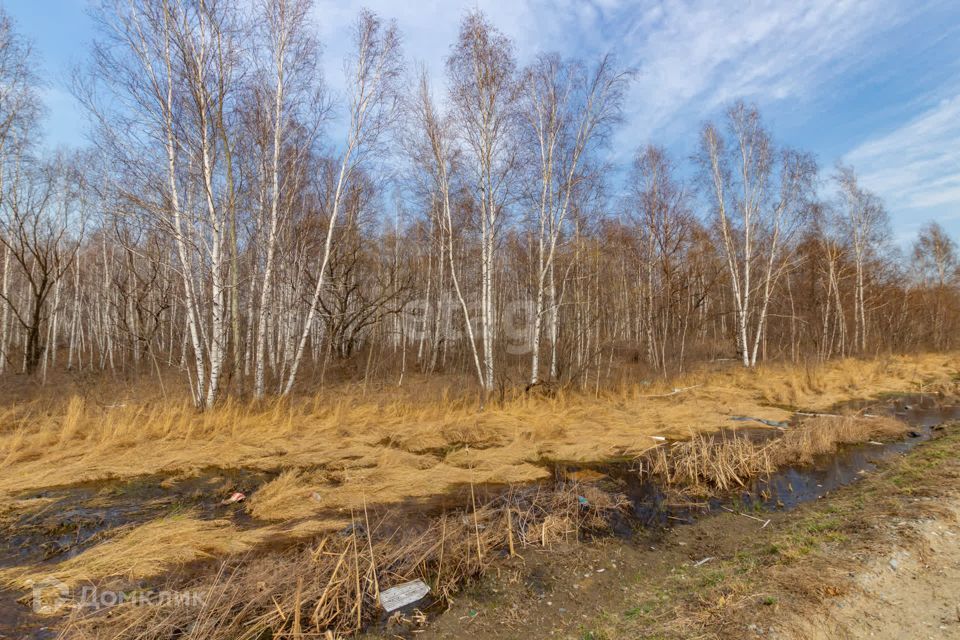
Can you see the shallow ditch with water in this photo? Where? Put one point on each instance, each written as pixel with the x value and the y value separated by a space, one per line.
pixel 653 506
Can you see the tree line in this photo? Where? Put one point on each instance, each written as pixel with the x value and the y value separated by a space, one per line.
pixel 237 222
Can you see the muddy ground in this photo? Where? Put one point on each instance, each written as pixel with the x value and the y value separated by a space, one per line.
pixel 876 559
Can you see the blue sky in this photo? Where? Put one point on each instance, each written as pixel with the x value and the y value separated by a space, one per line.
pixel 875 83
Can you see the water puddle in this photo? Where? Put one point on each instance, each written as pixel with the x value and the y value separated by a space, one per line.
pixel 654 508
pixel 52 525
pixel 794 485
pixel 17 619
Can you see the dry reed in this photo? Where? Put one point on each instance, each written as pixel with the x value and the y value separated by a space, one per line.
pixel 707 464
pixel 330 587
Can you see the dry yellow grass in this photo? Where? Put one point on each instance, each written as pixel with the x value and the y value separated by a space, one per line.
pixel 331 587
pixel 147 550
pixel 336 456
pixel 823 435
pixel 353 450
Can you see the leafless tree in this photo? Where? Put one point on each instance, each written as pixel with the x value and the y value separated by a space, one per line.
pixel 19 111
pixel 759 200
pixel 483 92
pixel 373 74
pixel 41 229
pixel 865 222
pixel 568 110
pixel 296 99
pixel 433 150
pixel 659 203
pixel 220 231
pixel 935 259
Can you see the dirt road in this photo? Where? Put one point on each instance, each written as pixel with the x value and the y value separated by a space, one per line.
pixel 911 591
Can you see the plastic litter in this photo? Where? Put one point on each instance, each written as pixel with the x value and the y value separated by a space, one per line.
pixel 403 594
pixel 235 497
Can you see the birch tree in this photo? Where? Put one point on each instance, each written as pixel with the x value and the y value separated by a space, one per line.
pixel 568 111
pixel 373 74
pixel 296 94
pixel 865 222
pixel 658 203
pixel 483 91
pixel 935 259
pixel 40 231
pixel 216 224
pixel 758 198
pixel 433 150
pixel 158 84
pixel 19 111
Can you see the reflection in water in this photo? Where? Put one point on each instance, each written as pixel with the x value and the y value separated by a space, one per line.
pixel 787 488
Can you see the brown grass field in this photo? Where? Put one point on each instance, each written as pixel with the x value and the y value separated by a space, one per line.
pixel 333 456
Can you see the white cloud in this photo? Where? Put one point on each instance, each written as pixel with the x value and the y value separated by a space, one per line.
pixel 699 56
pixel 693 56
pixel 916 166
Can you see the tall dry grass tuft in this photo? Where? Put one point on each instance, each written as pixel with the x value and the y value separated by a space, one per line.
pixel 331 587
pixel 707 464
pixel 704 464
pixel 72 419
pixel 272 499
pixel 822 435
